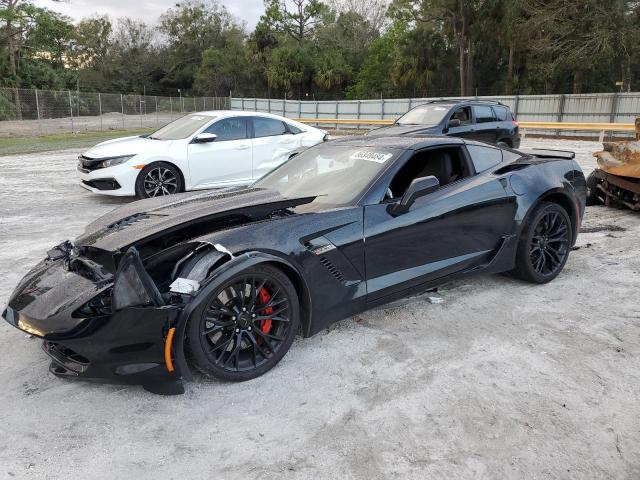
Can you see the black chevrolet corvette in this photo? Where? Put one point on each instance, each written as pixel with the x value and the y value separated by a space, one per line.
pixel 222 281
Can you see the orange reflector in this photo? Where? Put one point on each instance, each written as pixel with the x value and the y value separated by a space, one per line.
pixel 168 361
pixel 139 167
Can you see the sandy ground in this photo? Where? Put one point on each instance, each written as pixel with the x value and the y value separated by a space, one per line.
pixel 500 381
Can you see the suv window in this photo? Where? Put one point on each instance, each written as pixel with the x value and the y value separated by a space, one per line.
pixel 463 114
pixel 268 127
pixel 502 113
pixel 484 158
pixel 233 128
pixel 483 114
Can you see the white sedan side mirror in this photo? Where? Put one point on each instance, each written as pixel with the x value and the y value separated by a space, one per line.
pixel 205 138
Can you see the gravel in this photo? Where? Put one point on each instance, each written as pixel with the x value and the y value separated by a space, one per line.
pixel 498 380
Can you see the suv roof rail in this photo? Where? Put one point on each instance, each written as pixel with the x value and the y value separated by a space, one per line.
pixel 472 100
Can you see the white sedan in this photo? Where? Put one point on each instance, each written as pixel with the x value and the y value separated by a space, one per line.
pixel 200 150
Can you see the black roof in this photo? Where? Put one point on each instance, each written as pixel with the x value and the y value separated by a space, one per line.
pixel 458 101
pixel 405 142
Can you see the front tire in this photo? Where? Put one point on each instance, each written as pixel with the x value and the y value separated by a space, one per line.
pixel 246 326
pixel 593 194
pixel 158 179
pixel 544 245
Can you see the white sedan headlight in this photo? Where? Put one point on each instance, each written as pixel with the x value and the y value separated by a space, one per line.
pixel 112 161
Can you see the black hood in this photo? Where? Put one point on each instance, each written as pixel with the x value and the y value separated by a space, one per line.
pixel 395 130
pixel 153 217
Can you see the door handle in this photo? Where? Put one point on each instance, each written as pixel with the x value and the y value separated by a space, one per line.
pixel 243 147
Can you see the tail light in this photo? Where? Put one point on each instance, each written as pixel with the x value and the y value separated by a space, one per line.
pixel 516 124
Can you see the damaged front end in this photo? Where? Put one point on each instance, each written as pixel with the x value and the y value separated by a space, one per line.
pixel 113 318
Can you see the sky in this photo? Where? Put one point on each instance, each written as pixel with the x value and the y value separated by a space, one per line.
pixel 147 10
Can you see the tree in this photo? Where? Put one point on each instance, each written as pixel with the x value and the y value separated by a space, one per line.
pixel 226 68
pixel 295 18
pixel 374 11
pixel 191 28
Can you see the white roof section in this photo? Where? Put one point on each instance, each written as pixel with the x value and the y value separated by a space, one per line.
pixel 238 113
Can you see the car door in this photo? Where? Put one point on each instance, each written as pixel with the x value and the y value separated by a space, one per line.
pixel 459 226
pixel 272 143
pixel 486 127
pixel 225 161
pixel 466 129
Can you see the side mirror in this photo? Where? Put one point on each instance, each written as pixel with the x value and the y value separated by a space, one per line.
pixel 454 122
pixel 419 188
pixel 205 138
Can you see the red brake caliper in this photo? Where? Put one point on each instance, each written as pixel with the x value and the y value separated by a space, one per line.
pixel 263 295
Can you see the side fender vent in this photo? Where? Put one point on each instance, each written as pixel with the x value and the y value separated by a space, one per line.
pixel 514 167
pixel 333 270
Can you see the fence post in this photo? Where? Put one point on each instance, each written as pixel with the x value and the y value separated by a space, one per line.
pixel 140 106
pixel 614 107
pixel 358 125
pixel 561 107
pixel 255 104
pixel 38 111
pixel 122 109
pixel 381 108
pixel 171 108
pixel 71 109
pixel 100 109
pixel 299 108
pixel 269 104
pixel 195 108
pixel 563 98
pixel 157 120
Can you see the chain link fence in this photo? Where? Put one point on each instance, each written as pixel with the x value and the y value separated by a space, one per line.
pixel 29 112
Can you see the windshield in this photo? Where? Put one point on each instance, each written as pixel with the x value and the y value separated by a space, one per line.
pixel 337 174
pixel 182 128
pixel 424 115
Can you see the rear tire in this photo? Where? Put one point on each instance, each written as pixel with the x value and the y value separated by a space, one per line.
pixel 544 244
pixel 245 326
pixel 158 179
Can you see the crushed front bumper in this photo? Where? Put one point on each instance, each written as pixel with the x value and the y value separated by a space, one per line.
pixel 87 336
pixel 128 347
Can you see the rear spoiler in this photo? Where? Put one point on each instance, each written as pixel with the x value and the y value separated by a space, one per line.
pixel 548 153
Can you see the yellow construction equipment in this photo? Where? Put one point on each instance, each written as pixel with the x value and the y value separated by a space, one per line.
pixel 617 180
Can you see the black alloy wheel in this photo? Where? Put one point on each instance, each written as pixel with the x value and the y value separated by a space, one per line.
pixel 246 326
pixel 158 179
pixel 544 244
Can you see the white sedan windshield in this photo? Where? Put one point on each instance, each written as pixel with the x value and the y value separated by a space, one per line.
pixel 336 174
pixel 182 128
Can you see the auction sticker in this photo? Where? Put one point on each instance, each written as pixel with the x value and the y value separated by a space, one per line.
pixel 378 157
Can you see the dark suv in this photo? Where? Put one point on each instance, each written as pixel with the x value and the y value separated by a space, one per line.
pixel 483 120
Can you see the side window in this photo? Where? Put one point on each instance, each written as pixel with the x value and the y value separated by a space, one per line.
pixel 502 113
pixel 293 129
pixel 484 158
pixel 267 127
pixel 463 114
pixel 234 128
pixel 483 113
pixel 446 164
